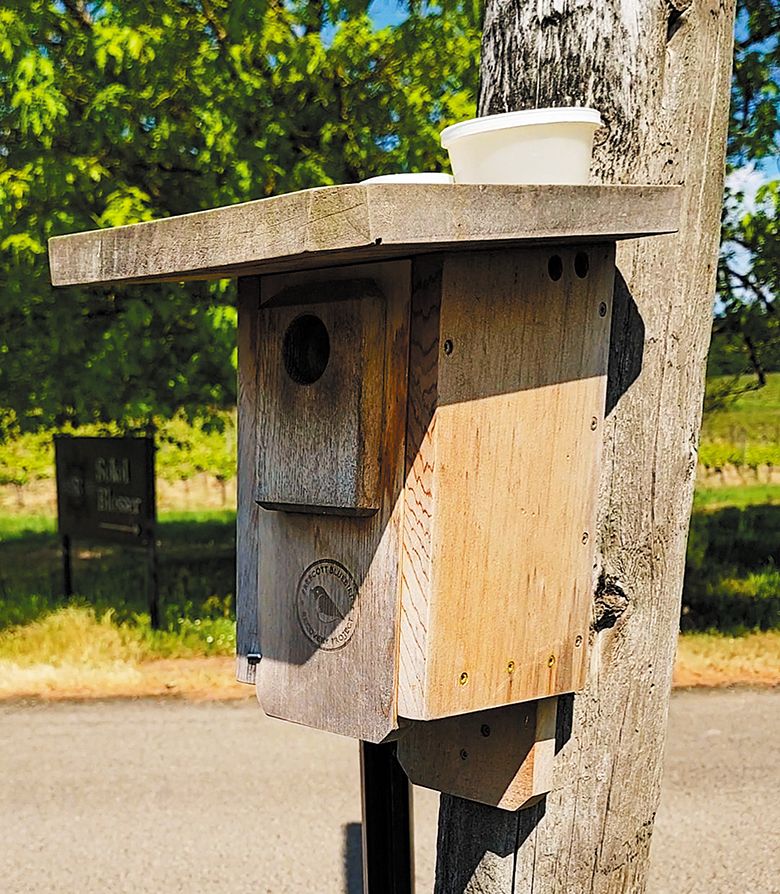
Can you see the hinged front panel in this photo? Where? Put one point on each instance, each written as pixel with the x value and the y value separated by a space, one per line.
pixel 321 397
pixel 329 584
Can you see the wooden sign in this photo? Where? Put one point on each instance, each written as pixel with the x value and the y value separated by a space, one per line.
pixel 105 488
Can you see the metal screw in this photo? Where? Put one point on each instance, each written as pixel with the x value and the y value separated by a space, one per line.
pixel 602 309
pixel 463 679
pixel 463 754
pixel 448 347
pixel 594 424
pixel 510 668
pixel 551 661
pixel 578 640
pixel 485 730
pixel 585 537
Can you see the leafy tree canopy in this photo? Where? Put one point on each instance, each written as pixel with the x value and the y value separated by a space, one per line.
pixel 747 328
pixel 117 112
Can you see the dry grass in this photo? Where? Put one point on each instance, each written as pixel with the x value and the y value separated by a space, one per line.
pixel 72 654
pixel 712 659
pixel 192 678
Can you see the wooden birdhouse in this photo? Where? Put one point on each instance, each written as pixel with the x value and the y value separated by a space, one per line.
pixel 422 382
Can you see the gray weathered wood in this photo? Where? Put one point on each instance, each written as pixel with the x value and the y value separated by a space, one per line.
pixel 503 757
pixel 659 72
pixel 349 224
pixel 247 528
pixel 329 585
pixel 319 443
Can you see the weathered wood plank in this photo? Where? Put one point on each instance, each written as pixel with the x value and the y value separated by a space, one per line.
pixel 502 757
pixel 320 440
pixel 329 588
pixel 503 459
pixel 348 224
pixel 659 72
pixel 247 529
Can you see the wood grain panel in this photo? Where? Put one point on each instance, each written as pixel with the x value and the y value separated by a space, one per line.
pixel 247 529
pixel 417 574
pixel 320 441
pixel 503 757
pixel 511 459
pixel 345 683
pixel 356 223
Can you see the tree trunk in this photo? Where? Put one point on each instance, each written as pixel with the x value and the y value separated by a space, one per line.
pixel 659 73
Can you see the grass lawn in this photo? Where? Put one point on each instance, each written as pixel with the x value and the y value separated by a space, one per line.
pixel 101 644
pixel 754 416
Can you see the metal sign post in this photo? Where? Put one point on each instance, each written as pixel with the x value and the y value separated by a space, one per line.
pixel 388 854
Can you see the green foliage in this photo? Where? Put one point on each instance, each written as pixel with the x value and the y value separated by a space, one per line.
pixel 196 572
pixel 184 448
pixel 26 458
pixel 742 425
pixel 77 634
pixel 113 113
pixel 741 497
pixel 732 582
pixel 747 328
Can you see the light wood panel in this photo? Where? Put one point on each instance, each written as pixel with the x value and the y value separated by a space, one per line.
pixel 320 441
pixel 498 558
pixel 329 587
pixel 502 757
pixel 354 223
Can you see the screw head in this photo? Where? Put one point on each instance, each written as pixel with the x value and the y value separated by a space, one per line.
pixel 585 537
pixel 578 640
pixel 448 346
pixel 485 730
pixel 510 667
pixel 463 754
pixel 463 678
pixel 551 661
pixel 594 423
pixel 603 309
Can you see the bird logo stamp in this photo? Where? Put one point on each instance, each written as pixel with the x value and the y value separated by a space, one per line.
pixel 327 606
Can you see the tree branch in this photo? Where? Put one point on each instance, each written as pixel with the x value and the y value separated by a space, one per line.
pixel 78 10
pixel 747 283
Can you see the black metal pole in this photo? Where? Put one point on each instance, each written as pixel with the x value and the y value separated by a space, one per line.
pixel 153 584
pixel 67 572
pixel 388 855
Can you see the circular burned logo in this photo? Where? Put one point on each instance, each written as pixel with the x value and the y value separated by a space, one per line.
pixel 327 606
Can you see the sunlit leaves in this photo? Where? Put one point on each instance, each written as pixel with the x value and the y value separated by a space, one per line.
pixel 117 112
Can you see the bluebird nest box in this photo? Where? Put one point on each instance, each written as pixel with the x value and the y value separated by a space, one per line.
pixel 422 382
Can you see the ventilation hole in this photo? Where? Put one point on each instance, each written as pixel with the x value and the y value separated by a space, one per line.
pixel 555 268
pixel 306 349
pixel 581 264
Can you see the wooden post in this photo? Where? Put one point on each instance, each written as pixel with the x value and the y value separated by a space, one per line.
pixel 659 73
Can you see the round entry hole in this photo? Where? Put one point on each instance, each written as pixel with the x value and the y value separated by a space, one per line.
pixel 581 264
pixel 555 268
pixel 306 349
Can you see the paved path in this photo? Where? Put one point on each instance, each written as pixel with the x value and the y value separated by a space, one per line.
pixel 164 797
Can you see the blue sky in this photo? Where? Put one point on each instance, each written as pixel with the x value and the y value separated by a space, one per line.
pixel 386 12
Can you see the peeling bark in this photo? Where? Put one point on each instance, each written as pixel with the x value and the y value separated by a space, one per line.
pixel 659 72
